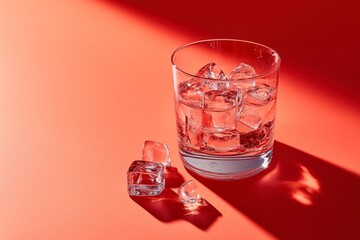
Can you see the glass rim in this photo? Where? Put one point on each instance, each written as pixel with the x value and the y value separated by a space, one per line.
pixel 225 40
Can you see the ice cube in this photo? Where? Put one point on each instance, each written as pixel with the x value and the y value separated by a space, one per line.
pixel 218 100
pixel 243 73
pixel 190 122
pixel 195 135
pixel 220 107
pixel 145 178
pixel 156 152
pixel 270 112
pixel 225 141
pixel 207 121
pixel 188 116
pixel 260 94
pixel 211 70
pixel 243 70
pixel 188 194
pixel 250 117
pixel 221 120
pixel 195 117
pixel 191 92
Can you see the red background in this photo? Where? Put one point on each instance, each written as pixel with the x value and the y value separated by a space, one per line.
pixel 84 83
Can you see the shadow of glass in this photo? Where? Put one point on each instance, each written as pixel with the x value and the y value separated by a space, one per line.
pixel 299 197
pixel 166 208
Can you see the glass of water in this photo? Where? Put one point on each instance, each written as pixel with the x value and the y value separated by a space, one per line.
pixel 225 101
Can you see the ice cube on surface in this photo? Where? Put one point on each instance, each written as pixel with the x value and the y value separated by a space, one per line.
pixel 156 152
pixel 145 178
pixel 188 194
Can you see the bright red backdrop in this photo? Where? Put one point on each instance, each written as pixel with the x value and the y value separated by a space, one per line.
pixel 84 83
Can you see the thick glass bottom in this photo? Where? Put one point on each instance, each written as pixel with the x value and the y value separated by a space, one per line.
pixel 225 167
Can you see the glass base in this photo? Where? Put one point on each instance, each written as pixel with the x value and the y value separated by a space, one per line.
pixel 225 167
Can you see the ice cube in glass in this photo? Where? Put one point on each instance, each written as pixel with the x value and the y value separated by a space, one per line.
pixel 211 70
pixel 243 73
pixel 221 106
pixel 222 142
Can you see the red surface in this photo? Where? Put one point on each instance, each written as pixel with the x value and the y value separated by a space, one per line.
pixel 84 83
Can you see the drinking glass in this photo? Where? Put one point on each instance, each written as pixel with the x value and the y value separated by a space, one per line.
pixel 225 102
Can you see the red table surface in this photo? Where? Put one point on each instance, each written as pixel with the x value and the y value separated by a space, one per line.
pixel 84 83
